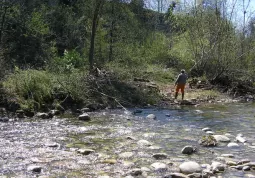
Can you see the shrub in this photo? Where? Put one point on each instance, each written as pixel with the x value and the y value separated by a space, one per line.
pixel 31 88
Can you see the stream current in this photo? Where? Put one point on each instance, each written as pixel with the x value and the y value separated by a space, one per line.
pixel 52 144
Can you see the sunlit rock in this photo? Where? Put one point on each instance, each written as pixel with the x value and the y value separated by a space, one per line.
pixel 246 168
pixel 175 175
pixel 233 145
pixel 218 167
pixel 159 166
pixel 145 169
pixel 84 117
pixel 209 132
pixel 128 164
pixel 151 116
pixel 34 168
pixel 42 115
pixel 135 172
pixel 228 155
pixel 190 167
pixel 144 143
pixel 231 163
pixel 126 155
pixel 240 138
pixel 243 161
pixel 85 151
pixel 188 150
pixel 221 138
pixel 206 129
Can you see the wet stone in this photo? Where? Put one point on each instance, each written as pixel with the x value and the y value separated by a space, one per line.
pixel 159 166
pixel 42 115
pixel 231 163
pixel 246 168
pixel 228 155
pixel 206 129
pixel 243 161
pixel 159 156
pixel 175 175
pixel 151 116
pixel 126 155
pixel 135 172
pixel 84 117
pixel 4 119
pixel 144 143
pixel 221 138
pixel 240 138
pixel 233 145
pixel 188 150
pixel 35 169
pixel 218 167
pixel 195 175
pixel 190 167
pixel 85 151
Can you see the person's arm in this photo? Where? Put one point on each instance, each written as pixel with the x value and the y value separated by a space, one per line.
pixel 177 80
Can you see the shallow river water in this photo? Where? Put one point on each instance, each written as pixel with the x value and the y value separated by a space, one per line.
pixel 114 134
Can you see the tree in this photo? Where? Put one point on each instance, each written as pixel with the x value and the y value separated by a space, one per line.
pixel 98 8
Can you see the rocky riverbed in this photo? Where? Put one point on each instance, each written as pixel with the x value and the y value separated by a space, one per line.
pixel 134 143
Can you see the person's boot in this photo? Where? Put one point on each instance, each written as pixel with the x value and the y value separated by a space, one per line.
pixel 182 96
pixel 176 95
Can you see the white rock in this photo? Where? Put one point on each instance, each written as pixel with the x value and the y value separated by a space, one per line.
pixel 240 138
pixel 221 138
pixel 34 168
pixel 206 129
pixel 233 145
pixel 145 169
pixel 84 117
pixel 218 167
pixel 144 143
pixel 188 150
pixel 85 151
pixel 126 155
pixel 159 166
pixel 151 116
pixel 209 132
pixel 228 155
pixel 190 167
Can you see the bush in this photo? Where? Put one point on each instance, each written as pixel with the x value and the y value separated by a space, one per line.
pixel 31 88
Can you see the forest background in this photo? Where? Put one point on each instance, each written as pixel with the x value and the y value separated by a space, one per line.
pixel 57 52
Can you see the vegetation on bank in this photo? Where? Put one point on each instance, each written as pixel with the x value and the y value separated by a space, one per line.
pixel 68 54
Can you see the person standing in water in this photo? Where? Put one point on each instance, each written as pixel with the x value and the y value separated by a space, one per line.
pixel 180 83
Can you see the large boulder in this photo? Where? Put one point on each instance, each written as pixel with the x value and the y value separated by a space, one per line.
pixel 190 167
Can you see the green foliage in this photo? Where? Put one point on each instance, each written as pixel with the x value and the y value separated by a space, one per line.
pixel 68 63
pixel 30 87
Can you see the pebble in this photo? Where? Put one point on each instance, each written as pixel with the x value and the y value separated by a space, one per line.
pixel 151 116
pixel 188 150
pixel 233 145
pixel 190 167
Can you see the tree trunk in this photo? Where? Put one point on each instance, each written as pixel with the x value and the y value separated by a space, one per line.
pixel 99 5
pixel 2 24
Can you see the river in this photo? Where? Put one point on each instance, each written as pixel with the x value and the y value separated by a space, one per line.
pixel 113 136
